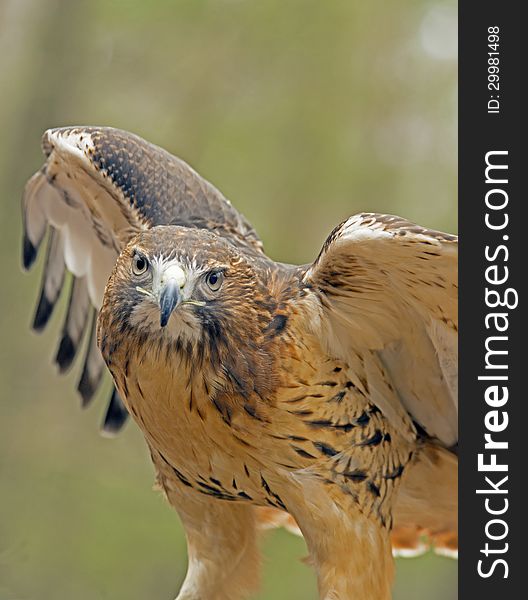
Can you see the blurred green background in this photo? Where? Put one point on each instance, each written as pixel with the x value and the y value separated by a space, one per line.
pixel 302 112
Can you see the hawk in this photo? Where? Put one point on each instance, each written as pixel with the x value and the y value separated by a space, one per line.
pixel 322 397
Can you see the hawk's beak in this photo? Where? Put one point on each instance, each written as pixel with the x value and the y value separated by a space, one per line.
pixel 169 299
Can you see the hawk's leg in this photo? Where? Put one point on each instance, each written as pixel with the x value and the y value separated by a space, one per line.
pixel 350 552
pixel 221 544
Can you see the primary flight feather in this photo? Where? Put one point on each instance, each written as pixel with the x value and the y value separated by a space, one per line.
pixel 322 397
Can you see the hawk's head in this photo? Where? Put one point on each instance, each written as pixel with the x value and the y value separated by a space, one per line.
pixel 192 290
pixel 179 281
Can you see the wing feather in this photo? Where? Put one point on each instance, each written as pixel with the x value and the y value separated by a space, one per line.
pixel 74 324
pixel 93 367
pixel 96 190
pixel 52 281
pixel 389 294
pixel 116 415
pixel 35 221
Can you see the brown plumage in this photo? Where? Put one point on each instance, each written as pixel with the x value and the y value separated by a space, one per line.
pixel 321 397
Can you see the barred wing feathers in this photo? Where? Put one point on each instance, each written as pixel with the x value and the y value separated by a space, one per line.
pixel 98 188
pixel 389 294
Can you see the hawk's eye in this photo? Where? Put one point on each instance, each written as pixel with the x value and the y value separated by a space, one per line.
pixel 139 264
pixel 214 280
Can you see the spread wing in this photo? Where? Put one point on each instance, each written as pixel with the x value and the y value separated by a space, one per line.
pixel 98 188
pixel 389 295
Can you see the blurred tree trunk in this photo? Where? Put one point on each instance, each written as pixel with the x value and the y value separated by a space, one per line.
pixel 41 45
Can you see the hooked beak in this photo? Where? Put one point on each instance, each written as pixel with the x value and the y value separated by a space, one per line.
pixel 169 299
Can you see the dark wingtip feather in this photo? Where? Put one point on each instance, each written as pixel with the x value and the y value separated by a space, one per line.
pixel 43 313
pixel 86 388
pixel 116 415
pixel 29 253
pixel 65 353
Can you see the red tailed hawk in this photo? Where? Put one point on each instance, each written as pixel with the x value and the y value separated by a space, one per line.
pixel 321 396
